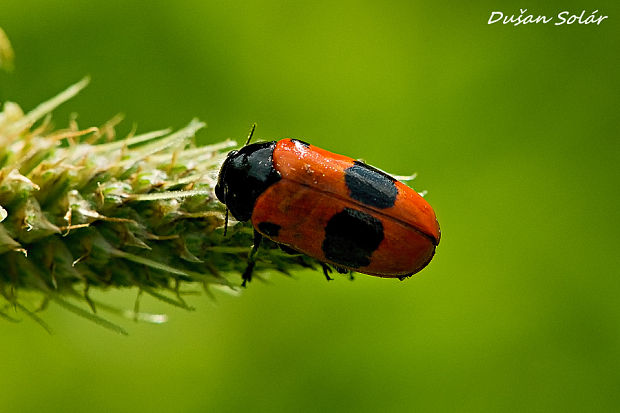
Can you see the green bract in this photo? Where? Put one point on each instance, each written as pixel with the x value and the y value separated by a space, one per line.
pixel 80 209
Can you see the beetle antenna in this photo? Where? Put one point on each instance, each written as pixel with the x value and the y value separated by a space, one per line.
pixel 250 135
pixel 226 214
pixel 226 222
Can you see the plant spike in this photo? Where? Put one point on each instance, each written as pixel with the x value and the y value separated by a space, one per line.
pixel 83 210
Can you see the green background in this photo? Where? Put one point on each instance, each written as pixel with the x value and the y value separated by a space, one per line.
pixel 513 131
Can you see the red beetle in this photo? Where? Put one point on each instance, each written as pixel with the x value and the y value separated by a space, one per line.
pixel 330 207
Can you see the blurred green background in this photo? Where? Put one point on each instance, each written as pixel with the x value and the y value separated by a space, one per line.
pixel 513 131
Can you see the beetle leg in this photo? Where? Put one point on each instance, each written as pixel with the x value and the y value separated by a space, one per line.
pixel 247 274
pixel 288 249
pixel 326 270
pixel 341 270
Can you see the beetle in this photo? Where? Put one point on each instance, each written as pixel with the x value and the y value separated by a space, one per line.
pixel 336 209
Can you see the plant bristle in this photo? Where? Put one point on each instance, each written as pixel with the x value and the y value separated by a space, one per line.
pixel 81 209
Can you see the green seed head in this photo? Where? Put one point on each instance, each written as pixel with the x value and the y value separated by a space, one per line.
pixel 82 209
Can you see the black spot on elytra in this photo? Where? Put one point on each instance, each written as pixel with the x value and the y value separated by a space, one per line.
pixel 351 236
pixel 370 186
pixel 269 228
pixel 306 144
